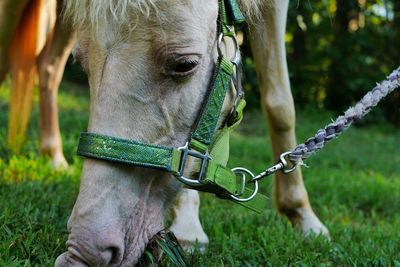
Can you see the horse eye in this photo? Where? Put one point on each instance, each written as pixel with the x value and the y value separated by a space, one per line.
pixel 183 66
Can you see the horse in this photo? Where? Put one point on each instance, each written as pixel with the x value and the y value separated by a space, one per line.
pixel 149 64
pixel 34 42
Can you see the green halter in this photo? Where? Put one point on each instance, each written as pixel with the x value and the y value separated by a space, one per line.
pixel 211 148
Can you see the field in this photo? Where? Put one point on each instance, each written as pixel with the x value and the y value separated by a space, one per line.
pixel 354 187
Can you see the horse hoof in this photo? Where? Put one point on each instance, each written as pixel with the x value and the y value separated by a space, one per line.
pixel 316 230
pixel 192 247
pixel 311 225
pixel 195 241
pixel 59 162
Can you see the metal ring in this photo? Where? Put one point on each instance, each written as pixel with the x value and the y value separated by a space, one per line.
pixel 237 57
pixel 244 171
pixel 243 189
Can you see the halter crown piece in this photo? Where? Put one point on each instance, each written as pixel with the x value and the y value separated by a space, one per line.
pixel 205 144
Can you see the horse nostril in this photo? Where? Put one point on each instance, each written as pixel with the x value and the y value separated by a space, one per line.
pixel 112 255
pixel 116 254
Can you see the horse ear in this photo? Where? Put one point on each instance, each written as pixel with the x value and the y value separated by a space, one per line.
pixel 23 52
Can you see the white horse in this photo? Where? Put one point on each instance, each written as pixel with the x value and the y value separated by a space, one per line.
pixel 149 63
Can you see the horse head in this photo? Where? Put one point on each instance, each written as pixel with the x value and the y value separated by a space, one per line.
pixel 149 65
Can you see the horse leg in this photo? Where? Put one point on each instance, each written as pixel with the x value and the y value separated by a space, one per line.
pixel 10 14
pixel 186 225
pixel 268 47
pixel 52 62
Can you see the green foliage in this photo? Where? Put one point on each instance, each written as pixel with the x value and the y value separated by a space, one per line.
pixel 354 186
pixel 337 50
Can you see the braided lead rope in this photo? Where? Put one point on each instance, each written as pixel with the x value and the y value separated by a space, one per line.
pixel 353 114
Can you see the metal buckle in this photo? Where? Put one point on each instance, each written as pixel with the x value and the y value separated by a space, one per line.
pixel 186 152
pixel 244 172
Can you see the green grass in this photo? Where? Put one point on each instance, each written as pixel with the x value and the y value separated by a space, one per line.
pixel 354 187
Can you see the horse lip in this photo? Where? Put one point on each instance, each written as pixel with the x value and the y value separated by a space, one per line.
pixel 73 250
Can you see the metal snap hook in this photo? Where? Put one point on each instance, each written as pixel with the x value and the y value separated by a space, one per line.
pixel 285 168
pixel 244 172
pixel 282 166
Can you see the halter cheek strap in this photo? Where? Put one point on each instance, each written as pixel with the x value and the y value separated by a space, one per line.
pixel 211 149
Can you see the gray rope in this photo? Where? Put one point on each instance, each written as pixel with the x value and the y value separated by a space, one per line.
pixel 353 114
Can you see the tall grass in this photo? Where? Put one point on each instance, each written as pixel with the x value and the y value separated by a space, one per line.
pixel 354 187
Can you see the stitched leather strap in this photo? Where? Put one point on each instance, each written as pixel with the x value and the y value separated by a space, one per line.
pixel 130 152
pixel 156 157
pixel 236 15
pixel 230 14
pixel 205 129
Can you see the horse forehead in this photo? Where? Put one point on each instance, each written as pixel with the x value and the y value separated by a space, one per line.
pixel 185 21
pixel 193 16
pixel 185 25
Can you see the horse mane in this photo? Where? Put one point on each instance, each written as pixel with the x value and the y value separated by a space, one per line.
pixel 94 12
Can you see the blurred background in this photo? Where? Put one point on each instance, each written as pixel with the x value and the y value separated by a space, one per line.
pixel 336 50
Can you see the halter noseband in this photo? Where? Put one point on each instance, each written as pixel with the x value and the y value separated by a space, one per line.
pixel 204 143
